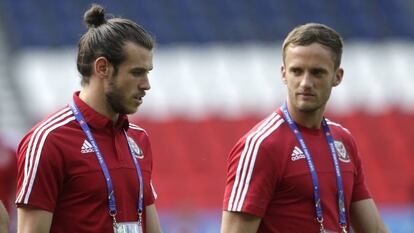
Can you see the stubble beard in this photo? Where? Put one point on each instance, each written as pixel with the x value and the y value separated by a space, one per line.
pixel 308 108
pixel 114 98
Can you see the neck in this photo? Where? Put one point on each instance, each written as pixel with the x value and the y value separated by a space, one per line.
pixel 308 119
pixel 94 97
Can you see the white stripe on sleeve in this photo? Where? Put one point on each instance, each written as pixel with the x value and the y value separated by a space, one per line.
pixel 245 160
pixel 34 147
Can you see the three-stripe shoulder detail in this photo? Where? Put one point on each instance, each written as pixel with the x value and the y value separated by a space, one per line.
pixel 136 127
pixel 337 125
pixel 247 160
pixel 35 147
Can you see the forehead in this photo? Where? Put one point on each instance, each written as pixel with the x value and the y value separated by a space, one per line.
pixel 315 55
pixel 137 56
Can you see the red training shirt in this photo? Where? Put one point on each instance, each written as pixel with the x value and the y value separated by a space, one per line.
pixel 58 171
pixel 268 176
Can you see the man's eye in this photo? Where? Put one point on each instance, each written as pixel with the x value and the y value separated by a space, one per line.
pixel 296 71
pixel 318 73
pixel 138 73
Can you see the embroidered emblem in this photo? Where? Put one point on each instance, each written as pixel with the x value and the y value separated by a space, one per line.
pixel 341 151
pixel 297 154
pixel 137 151
pixel 87 147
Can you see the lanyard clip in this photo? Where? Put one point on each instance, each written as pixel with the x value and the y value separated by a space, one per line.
pixel 321 227
pixel 140 217
pixel 343 226
pixel 113 215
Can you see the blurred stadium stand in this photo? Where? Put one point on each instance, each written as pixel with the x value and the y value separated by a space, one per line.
pixel 216 74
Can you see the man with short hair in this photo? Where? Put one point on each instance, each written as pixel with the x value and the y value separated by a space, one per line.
pixel 297 171
pixel 86 168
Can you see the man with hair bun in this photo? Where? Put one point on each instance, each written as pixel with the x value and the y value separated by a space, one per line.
pixel 85 168
pixel 297 172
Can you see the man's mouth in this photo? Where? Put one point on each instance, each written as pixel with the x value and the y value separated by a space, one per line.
pixel 139 98
pixel 305 94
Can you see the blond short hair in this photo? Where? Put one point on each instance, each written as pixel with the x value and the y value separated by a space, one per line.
pixel 316 33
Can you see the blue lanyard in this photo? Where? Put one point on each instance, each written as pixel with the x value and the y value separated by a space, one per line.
pixel 330 140
pixel 111 194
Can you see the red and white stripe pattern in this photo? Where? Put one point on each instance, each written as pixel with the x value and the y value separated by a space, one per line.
pixel 247 160
pixel 336 124
pixel 153 190
pixel 136 127
pixel 34 150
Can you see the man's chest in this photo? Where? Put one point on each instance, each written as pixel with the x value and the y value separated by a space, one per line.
pixel 84 174
pixel 295 175
pixel 116 151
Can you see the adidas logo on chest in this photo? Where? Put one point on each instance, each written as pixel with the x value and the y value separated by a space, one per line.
pixel 297 154
pixel 87 147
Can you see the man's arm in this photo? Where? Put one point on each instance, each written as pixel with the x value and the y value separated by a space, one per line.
pixel 236 222
pixel 33 220
pixel 4 219
pixel 365 217
pixel 152 222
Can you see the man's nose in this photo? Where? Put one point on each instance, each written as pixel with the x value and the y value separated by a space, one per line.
pixel 307 80
pixel 144 83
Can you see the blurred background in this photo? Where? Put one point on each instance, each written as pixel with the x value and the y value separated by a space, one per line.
pixel 216 74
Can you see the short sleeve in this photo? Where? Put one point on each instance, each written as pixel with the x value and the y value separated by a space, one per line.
pixel 40 172
pixel 360 190
pixel 251 178
pixel 149 190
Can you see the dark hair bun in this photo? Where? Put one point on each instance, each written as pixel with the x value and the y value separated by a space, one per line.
pixel 95 16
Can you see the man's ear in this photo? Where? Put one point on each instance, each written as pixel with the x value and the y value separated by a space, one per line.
pixel 339 74
pixel 283 74
pixel 102 67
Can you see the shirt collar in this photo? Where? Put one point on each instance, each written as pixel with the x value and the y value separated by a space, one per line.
pixel 97 120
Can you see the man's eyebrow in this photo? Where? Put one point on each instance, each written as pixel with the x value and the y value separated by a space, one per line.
pixel 141 69
pixel 294 67
pixel 320 69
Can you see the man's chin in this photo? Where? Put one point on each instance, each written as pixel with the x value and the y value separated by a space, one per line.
pixel 308 107
pixel 134 110
pixel 129 111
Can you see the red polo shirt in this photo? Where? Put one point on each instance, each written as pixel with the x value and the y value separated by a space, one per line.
pixel 268 176
pixel 58 170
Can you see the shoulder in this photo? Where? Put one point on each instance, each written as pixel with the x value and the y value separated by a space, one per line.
pixel 137 129
pixel 340 133
pixel 263 134
pixel 51 123
pixel 140 141
pixel 268 130
pixel 344 140
pixel 55 120
pixel 47 127
pixel 268 125
pixel 337 128
pixel 139 134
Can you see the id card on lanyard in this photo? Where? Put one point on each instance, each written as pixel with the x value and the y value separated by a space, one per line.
pixel 134 227
pixel 128 227
pixel 315 182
